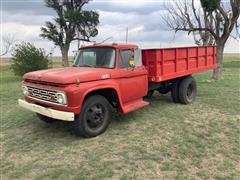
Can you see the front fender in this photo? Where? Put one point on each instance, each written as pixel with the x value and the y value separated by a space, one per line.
pixel 88 87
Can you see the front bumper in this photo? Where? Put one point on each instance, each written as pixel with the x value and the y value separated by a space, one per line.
pixel 60 115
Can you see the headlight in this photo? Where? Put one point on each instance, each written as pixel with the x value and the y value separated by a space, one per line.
pixel 61 98
pixel 25 90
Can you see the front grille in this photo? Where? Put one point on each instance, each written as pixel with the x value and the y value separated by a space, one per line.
pixel 42 94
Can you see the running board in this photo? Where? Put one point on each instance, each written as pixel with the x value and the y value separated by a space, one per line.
pixel 134 105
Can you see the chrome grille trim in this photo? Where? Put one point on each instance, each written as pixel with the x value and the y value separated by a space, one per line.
pixel 43 94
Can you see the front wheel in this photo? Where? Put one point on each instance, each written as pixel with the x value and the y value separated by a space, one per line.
pixel 94 117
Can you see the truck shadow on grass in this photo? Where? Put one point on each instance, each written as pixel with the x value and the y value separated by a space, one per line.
pixel 119 122
pixel 58 129
pixel 155 101
pixel 161 98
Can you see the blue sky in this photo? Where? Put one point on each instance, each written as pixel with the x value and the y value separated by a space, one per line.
pixel 23 19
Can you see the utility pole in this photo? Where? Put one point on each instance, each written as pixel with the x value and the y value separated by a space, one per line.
pixel 78 46
pixel 127 35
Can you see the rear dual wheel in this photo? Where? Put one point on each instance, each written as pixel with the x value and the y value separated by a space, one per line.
pixel 175 92
pixel 184 91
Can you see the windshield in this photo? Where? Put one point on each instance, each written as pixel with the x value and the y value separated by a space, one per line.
pixel 100 57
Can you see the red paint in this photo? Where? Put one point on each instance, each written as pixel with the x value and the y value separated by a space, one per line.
pixel 130 84
pixel 169 63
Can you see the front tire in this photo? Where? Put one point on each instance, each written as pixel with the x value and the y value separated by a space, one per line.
pixel 94 117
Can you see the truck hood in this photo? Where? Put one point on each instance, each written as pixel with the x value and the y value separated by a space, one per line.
pixel 69 75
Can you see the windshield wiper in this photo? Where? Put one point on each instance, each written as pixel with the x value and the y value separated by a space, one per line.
pixel 83 65
pixel 86 65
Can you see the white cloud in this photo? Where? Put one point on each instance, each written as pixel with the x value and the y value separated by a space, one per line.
pixel 26 18
pixel 232 46
pixel 20 31
pixel 142 18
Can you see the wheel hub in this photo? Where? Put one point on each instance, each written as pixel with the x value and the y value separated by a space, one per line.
pixel 95 116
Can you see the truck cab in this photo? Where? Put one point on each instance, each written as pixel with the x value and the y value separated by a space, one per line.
pixel 102 77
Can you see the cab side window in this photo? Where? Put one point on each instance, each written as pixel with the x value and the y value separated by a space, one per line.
pixel 137 57
pixel 124 57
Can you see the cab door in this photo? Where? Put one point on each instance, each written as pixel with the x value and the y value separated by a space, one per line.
pixel 133 82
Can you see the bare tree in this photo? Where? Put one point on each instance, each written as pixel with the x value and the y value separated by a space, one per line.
pixel 211 22
pixel 7 44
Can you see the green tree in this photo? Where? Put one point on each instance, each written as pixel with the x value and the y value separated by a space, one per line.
pixel 26 58
pixel 72 23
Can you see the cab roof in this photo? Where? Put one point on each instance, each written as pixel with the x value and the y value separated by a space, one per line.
pixel 114 45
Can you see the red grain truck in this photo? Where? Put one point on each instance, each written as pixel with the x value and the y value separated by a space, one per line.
pixel 105 77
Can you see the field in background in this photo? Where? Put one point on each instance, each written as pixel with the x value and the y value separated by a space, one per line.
pixel 56 59
pixel 162 141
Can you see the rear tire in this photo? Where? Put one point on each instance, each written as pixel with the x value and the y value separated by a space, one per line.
pixel 175 91
pixel 187 90
pixel 94 117
pixel 46 119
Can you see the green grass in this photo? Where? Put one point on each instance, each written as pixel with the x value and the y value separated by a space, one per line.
pixel 162 141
